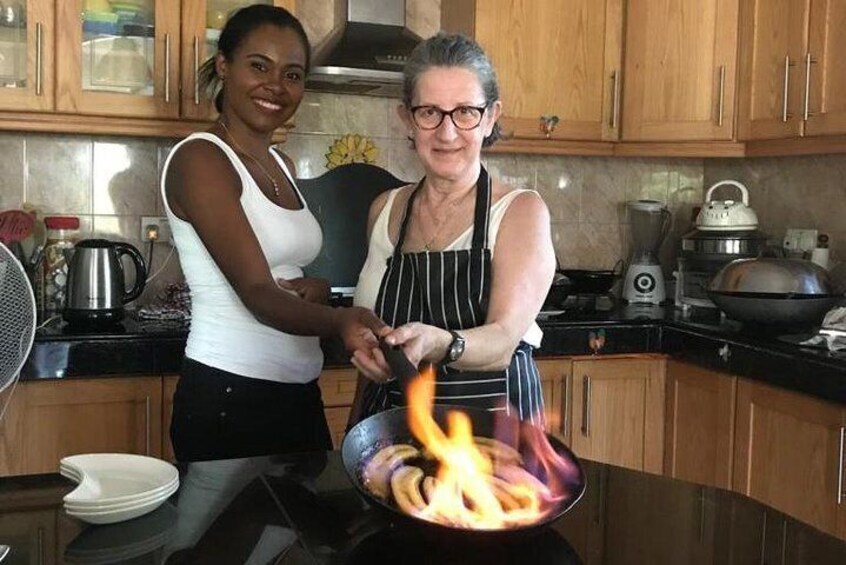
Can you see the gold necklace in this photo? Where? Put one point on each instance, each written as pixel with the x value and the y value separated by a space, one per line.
pixel 439 224
pixel 253 159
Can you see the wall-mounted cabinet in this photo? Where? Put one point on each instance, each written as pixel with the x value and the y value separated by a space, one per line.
pixel 793 80
pixel 136 61
pixel 680 70
pixel 558 59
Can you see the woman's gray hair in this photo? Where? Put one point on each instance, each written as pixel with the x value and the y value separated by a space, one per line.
pixel 452 50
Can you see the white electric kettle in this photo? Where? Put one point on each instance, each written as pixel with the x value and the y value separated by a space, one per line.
pixel 724 215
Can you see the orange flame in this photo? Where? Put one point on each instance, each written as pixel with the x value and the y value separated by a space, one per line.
pixel 473 489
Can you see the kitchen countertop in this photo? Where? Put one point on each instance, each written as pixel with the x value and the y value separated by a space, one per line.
pixel 303 509
pixel 700 336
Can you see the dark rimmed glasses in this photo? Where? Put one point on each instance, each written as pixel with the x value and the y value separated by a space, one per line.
pixel 463 117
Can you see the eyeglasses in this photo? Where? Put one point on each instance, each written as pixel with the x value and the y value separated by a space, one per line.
pixel 464 117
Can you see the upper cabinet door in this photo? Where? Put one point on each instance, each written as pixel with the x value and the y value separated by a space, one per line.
pixel 202 21
pixel 123 62
pixel 772 68
pixel 680 70
pixel 826 106
pixel 555 58
pixel 26 56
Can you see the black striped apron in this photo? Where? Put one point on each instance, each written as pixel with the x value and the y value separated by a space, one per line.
pixel 450 290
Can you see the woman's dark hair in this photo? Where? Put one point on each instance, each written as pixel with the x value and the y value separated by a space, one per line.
pixel 239 25
pixel 452 50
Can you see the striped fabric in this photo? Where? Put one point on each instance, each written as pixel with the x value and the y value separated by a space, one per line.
pixel 451 290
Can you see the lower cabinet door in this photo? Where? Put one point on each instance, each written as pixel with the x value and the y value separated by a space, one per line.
pixel 789 454
pixel 618 411
pixel 49 420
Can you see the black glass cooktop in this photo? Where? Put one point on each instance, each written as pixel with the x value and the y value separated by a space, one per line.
pixel 303 510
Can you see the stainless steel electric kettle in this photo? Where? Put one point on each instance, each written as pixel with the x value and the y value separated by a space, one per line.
pixel 96 291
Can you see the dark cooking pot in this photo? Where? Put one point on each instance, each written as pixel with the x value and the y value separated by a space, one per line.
pixel 774 291
pixel 558 292
pixel 386 428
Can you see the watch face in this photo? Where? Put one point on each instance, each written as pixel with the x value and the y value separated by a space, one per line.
pixel 457 347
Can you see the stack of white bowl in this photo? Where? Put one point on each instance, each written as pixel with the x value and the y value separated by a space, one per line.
pixel 114 487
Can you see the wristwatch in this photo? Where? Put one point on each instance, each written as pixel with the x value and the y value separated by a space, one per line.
pixel 455 349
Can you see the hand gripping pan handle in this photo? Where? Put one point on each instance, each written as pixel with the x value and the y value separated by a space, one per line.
pixel 402 369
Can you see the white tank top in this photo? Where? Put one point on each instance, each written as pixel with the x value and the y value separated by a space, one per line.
pixel 224 334
pixel 381 248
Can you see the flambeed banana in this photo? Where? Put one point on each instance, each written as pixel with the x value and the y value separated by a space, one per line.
pixel 377 473
pixel 498 451
pixel 509 498
pixel 405 486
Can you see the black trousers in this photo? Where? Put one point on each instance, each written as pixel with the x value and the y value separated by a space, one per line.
pixel 220 415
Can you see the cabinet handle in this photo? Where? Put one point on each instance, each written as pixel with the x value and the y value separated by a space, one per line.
pixel 38 63
pixel 808 60
pixel 565 388
pixel 840 466
pixel 722 95
pixel 196 71
pixel 586 406
pixel 40 546
pixel 785 115
pixel 167 69
pixel 615 99
pixel 147 424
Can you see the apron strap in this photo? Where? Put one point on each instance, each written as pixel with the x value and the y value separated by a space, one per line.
pixel 481 214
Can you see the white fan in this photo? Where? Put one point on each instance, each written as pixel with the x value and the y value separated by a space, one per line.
pixel 17 321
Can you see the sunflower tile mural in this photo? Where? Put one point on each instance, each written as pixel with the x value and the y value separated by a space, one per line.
pixel 351 148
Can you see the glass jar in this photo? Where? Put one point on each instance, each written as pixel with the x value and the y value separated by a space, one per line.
pixel 62 234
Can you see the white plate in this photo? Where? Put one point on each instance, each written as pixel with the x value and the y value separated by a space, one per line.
pixel 106 502
pixel 112 516
pixel 111 507
pixel 111 478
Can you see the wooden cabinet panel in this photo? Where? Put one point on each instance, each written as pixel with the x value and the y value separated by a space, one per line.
pixel 75 50
pixel 699 435
pixel 827 85
pixel 27 60
pixel 555 381
pixel 31 535
pixel 681 58
pixel 559 58
pixel 771 69
pixel 168 389
pixel 788 454
pixel 618 412
pixel 337 418
pixel 53 419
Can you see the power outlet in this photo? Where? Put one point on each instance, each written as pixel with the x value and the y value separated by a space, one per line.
pixel 161 224
pixel 800 239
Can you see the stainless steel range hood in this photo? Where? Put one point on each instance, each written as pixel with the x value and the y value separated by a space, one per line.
pixel 366 53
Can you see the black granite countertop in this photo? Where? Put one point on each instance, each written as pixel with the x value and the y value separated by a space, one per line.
pixel 701 336
pixel 303 509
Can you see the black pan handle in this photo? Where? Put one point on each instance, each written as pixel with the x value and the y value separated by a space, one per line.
pixel 402 369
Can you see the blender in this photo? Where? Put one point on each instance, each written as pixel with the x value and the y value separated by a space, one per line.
pixel 649 221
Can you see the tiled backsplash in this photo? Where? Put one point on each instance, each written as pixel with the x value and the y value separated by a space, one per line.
pixel 110 182
pixel 792 192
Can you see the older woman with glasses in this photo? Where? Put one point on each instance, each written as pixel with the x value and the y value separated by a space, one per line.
pixel 460 263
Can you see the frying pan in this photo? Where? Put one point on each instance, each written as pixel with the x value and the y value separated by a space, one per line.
pixel 592 282
pixel 391 426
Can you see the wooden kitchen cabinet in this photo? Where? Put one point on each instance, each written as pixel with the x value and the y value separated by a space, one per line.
pixel 618 411
pixel 555 382
pixel 26 59
pixel 31 535
pixel 48 420
pixel 337 387
pixel 680 70
pixel 793 80
pixel 168 389
pixel 789 454
pixel 552 58
pixel 699 432
pixel 120 74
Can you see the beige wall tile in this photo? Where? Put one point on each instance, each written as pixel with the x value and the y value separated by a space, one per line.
pixel 600 246
pixel 58 173
pixel 334 113
pixel 565 240
pixel 125 172
pixel 603 192
pixel 403 161
pixel 11 171
pixel 423 17
pixel 309 152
